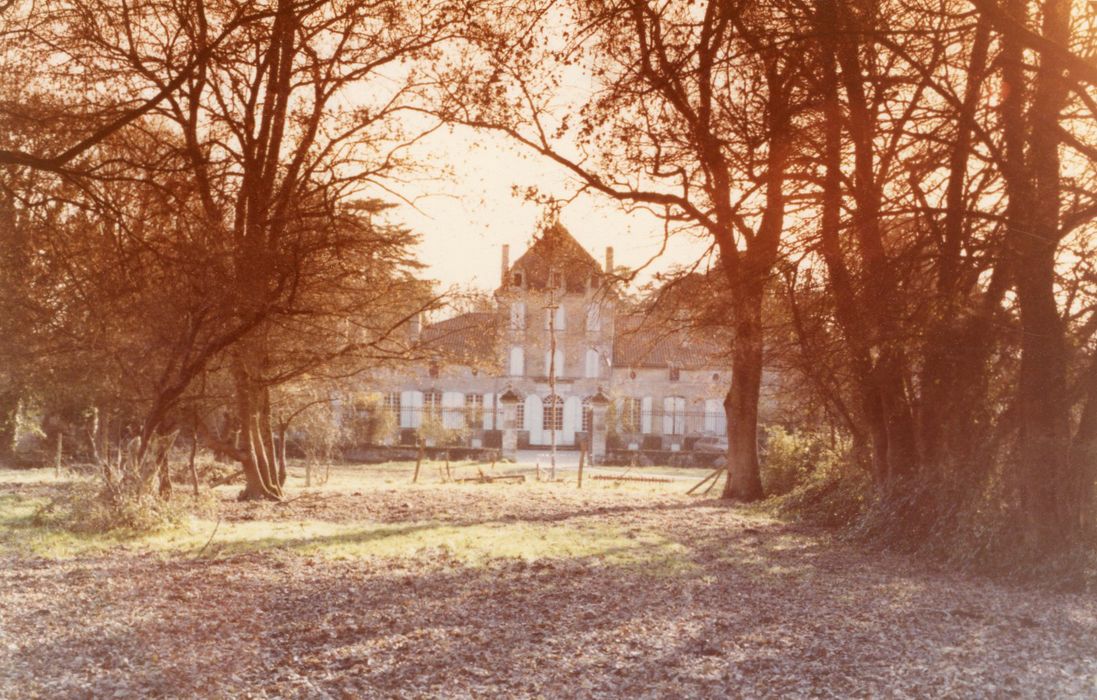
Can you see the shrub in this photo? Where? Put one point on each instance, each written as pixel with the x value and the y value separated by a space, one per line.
pixel 124 497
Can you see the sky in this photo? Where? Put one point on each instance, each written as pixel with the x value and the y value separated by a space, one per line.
pixel 466 215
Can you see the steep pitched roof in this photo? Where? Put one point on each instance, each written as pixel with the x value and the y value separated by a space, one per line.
pixel 556 249
pixel 466 339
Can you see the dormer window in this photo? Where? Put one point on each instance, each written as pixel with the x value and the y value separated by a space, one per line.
pixel 516 278
pixel 675 374
pixel 433 370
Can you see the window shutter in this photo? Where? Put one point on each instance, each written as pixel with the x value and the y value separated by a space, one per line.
pixel 645 415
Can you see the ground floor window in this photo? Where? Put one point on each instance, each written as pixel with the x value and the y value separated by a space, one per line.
pixel 630 415
pixel 391 403
pixel 432 404
pixel 588 415
pixel 553 417
pixel 474 410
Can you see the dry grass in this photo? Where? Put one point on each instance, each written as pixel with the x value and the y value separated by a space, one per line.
pixel 369 586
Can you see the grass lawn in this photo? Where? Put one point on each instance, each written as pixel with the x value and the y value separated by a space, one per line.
pixel 371 586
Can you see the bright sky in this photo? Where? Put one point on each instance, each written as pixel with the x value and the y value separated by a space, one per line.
pixel 468 215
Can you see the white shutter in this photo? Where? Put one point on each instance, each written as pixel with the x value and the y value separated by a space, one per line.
pixel 573 418
pixel 534 417
pixel 561 318
pixel 489 412
pixel 405 409
pixel 592 363
pixel 645 415
pixel 560 362
pixel 411 409
pixel 668 415
pixel 517 362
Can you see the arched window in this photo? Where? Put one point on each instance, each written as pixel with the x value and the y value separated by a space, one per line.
pixel 559 364
pixel 553 416
pixel 592 363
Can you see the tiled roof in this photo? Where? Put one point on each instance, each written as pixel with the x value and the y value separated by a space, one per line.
pixel 557 248
pixel 467 339
pixel 639 344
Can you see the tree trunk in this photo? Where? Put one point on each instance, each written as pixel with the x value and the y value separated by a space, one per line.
pixel 1043 467
pixel 741 403
pixel 260 482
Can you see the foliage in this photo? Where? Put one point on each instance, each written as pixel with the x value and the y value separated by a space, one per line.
pixel 433 430
pixel 794 457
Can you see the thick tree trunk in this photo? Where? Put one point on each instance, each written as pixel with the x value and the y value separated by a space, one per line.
pixel 1043 469
pixel 741 403
pixel 260 480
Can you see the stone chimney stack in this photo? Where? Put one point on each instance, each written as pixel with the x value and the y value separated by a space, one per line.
pixel 506 265
pixel 609 260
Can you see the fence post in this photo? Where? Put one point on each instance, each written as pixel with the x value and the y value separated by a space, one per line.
pixel 582 458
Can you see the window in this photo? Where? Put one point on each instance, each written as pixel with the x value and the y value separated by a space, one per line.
pixel 516 279
pixel 675 374
pixel 558 369
pixel 391 403
pixel 553 416
pixel 432 404
pixel 517 366
pixel 561 318
pixel 520 416
pixel 594 317
pixel 433 369
pixel 674 415
pixel 517 316
pixel 630 415
pixel 555 280
pixel 474 410
pixel 588 415
pixel 592 363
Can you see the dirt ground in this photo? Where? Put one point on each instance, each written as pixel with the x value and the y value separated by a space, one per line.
pixel 374 587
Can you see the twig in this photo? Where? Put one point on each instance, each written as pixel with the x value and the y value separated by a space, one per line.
pixel 203 549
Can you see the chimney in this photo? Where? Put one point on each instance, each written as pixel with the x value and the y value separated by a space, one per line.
pixel 506 265
pixel 609 260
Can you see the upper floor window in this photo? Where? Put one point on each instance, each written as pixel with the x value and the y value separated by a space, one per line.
pixel 560 321
pixel 517 364
pixel 433 371
pixel 594 317
pixel 554 366
pixel 517 316
pixel 593 360
pixel 555 280
pixel 516 278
